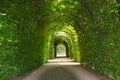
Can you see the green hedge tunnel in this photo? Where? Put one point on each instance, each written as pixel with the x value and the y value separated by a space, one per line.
pixel 24 42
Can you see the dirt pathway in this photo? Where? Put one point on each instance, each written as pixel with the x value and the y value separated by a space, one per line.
pixel 61 69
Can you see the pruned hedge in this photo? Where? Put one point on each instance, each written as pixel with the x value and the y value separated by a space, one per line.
pixel 21 36
pixel 99 37
pixel 25 40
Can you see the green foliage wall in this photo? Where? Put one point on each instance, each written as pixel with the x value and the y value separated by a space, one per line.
pixel 99 37
pixel 21 36
pixel 25 42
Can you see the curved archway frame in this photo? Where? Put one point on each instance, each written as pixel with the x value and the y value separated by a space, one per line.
pixel 56 43
pixel 56 40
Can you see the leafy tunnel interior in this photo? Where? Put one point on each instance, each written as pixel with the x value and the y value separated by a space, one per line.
pixel 61 50
pixel 66 46
pixel 30 30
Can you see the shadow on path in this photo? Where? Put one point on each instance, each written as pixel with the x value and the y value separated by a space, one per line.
pixel 57 73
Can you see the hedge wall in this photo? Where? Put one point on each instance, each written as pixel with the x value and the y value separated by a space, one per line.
pixel 24 42
pixel 21 36
pixel 99 37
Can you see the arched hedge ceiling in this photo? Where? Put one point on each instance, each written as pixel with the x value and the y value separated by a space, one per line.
pixel 64 32
pixel 79 13
pixel 61 33
pixel 27 28
pixel 96 23
pixel 54 28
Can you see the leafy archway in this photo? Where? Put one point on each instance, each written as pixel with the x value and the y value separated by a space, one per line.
pixel 27 29
pixel 65 45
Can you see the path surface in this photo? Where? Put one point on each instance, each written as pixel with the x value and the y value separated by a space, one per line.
pixel 61 69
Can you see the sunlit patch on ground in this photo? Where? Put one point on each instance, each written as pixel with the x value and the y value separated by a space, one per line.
pixel 62 61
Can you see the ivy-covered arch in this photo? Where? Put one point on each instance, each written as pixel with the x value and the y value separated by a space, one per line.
pixel 55 28
pixel 57 39
pixel 68 50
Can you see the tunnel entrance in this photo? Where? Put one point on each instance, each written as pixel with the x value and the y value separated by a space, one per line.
pixel 61 50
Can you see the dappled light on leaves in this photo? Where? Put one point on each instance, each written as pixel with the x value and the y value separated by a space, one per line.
pixel 30 30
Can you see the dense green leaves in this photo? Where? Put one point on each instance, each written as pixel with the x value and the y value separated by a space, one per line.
pixel 97 25
pixel 28 27
pixel 21 36
pixel 99 42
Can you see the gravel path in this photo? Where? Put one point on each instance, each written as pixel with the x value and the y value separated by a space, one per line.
pixel 61 69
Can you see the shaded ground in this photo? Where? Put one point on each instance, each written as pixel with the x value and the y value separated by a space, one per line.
pixel 62 69
pixel 57 73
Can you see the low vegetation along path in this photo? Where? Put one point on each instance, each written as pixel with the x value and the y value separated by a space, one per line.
pixel 62 69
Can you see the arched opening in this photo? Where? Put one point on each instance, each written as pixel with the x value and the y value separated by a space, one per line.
pixel 61 51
